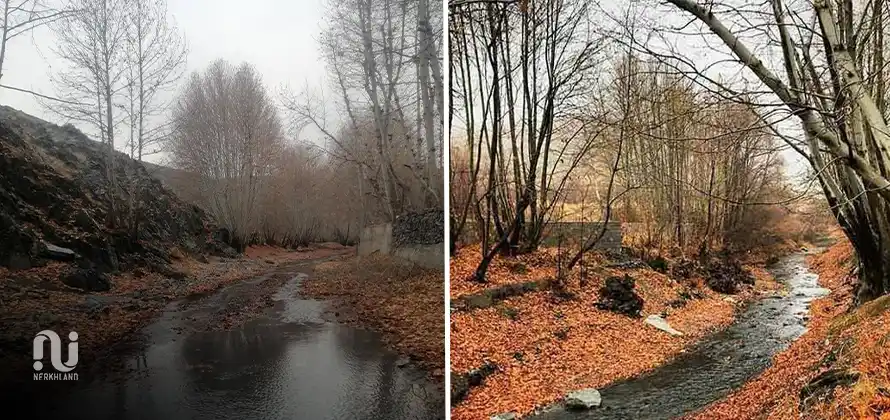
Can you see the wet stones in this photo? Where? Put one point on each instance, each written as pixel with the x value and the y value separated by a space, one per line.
pixel 618 296
pixel 583 399
pixel 88 279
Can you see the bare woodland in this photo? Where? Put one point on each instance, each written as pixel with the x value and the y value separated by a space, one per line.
pixel 367 152
pixel 565 109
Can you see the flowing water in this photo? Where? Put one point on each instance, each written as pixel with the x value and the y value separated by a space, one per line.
pixel 291 363
pixel 720 363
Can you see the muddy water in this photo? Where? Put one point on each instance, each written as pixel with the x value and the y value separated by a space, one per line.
pixel 717 365
pixel 292 363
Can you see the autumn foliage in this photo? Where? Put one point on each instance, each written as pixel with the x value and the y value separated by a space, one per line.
pixel 546 347
pixel 839 338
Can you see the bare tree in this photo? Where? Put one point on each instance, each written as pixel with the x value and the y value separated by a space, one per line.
pixel 519 79
pixel 22 16
pixel 834 84
pixel 92 42
pixel 226 131
pixel 155 59
pixel 385 70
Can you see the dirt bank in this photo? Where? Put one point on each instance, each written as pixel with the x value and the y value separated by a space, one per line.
pixel 401 301
pixel 545 347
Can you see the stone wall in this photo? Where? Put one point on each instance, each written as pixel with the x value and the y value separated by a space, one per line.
pixel 417 237
pixel 573 233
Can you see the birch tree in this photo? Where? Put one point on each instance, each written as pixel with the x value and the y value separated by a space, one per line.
pixel 155 60
pixel 92 43
pixel 832 78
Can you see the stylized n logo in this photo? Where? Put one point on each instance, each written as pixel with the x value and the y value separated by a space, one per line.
pixel 55 350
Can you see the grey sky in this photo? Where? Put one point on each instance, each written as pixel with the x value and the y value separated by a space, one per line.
pixel 278 37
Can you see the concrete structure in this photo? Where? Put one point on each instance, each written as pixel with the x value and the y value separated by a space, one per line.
pixel 375 238
pixel 416 237
pixel 573 233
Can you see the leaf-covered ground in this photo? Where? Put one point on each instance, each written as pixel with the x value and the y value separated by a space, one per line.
pixel 545 347
pixel 36 299
pixel 403 302
pixel 838 338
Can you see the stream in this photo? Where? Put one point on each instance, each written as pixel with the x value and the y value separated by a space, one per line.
pixel 291 363
pixel 719 364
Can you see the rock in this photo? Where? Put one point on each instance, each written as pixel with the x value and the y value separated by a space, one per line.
pixel 726 276
pixel 19 261
pixel 812 292
pixel 87 279
pixel 660 323
pixel 59 253
pixel 402 361
pixel 46 319
pixel 421 228
pixel 504 416
pixel 618 296
pixel 52 186
pixel 583 399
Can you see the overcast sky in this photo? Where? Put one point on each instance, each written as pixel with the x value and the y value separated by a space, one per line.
pixel 278 37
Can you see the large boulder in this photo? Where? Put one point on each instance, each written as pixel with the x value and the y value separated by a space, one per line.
pixel 88 279
pixel 618 295
pixel 727 276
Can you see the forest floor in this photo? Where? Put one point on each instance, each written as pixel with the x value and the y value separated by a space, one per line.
pixel 847 344
pixel 545 347
pixel 401 301
pixel 36 299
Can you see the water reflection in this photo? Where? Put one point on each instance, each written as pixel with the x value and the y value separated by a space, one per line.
pixel 277 367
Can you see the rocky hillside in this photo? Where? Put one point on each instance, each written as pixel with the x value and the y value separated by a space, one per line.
pixel 55 203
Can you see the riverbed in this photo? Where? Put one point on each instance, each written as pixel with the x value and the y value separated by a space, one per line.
pixel 720 363
pixel 295 361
